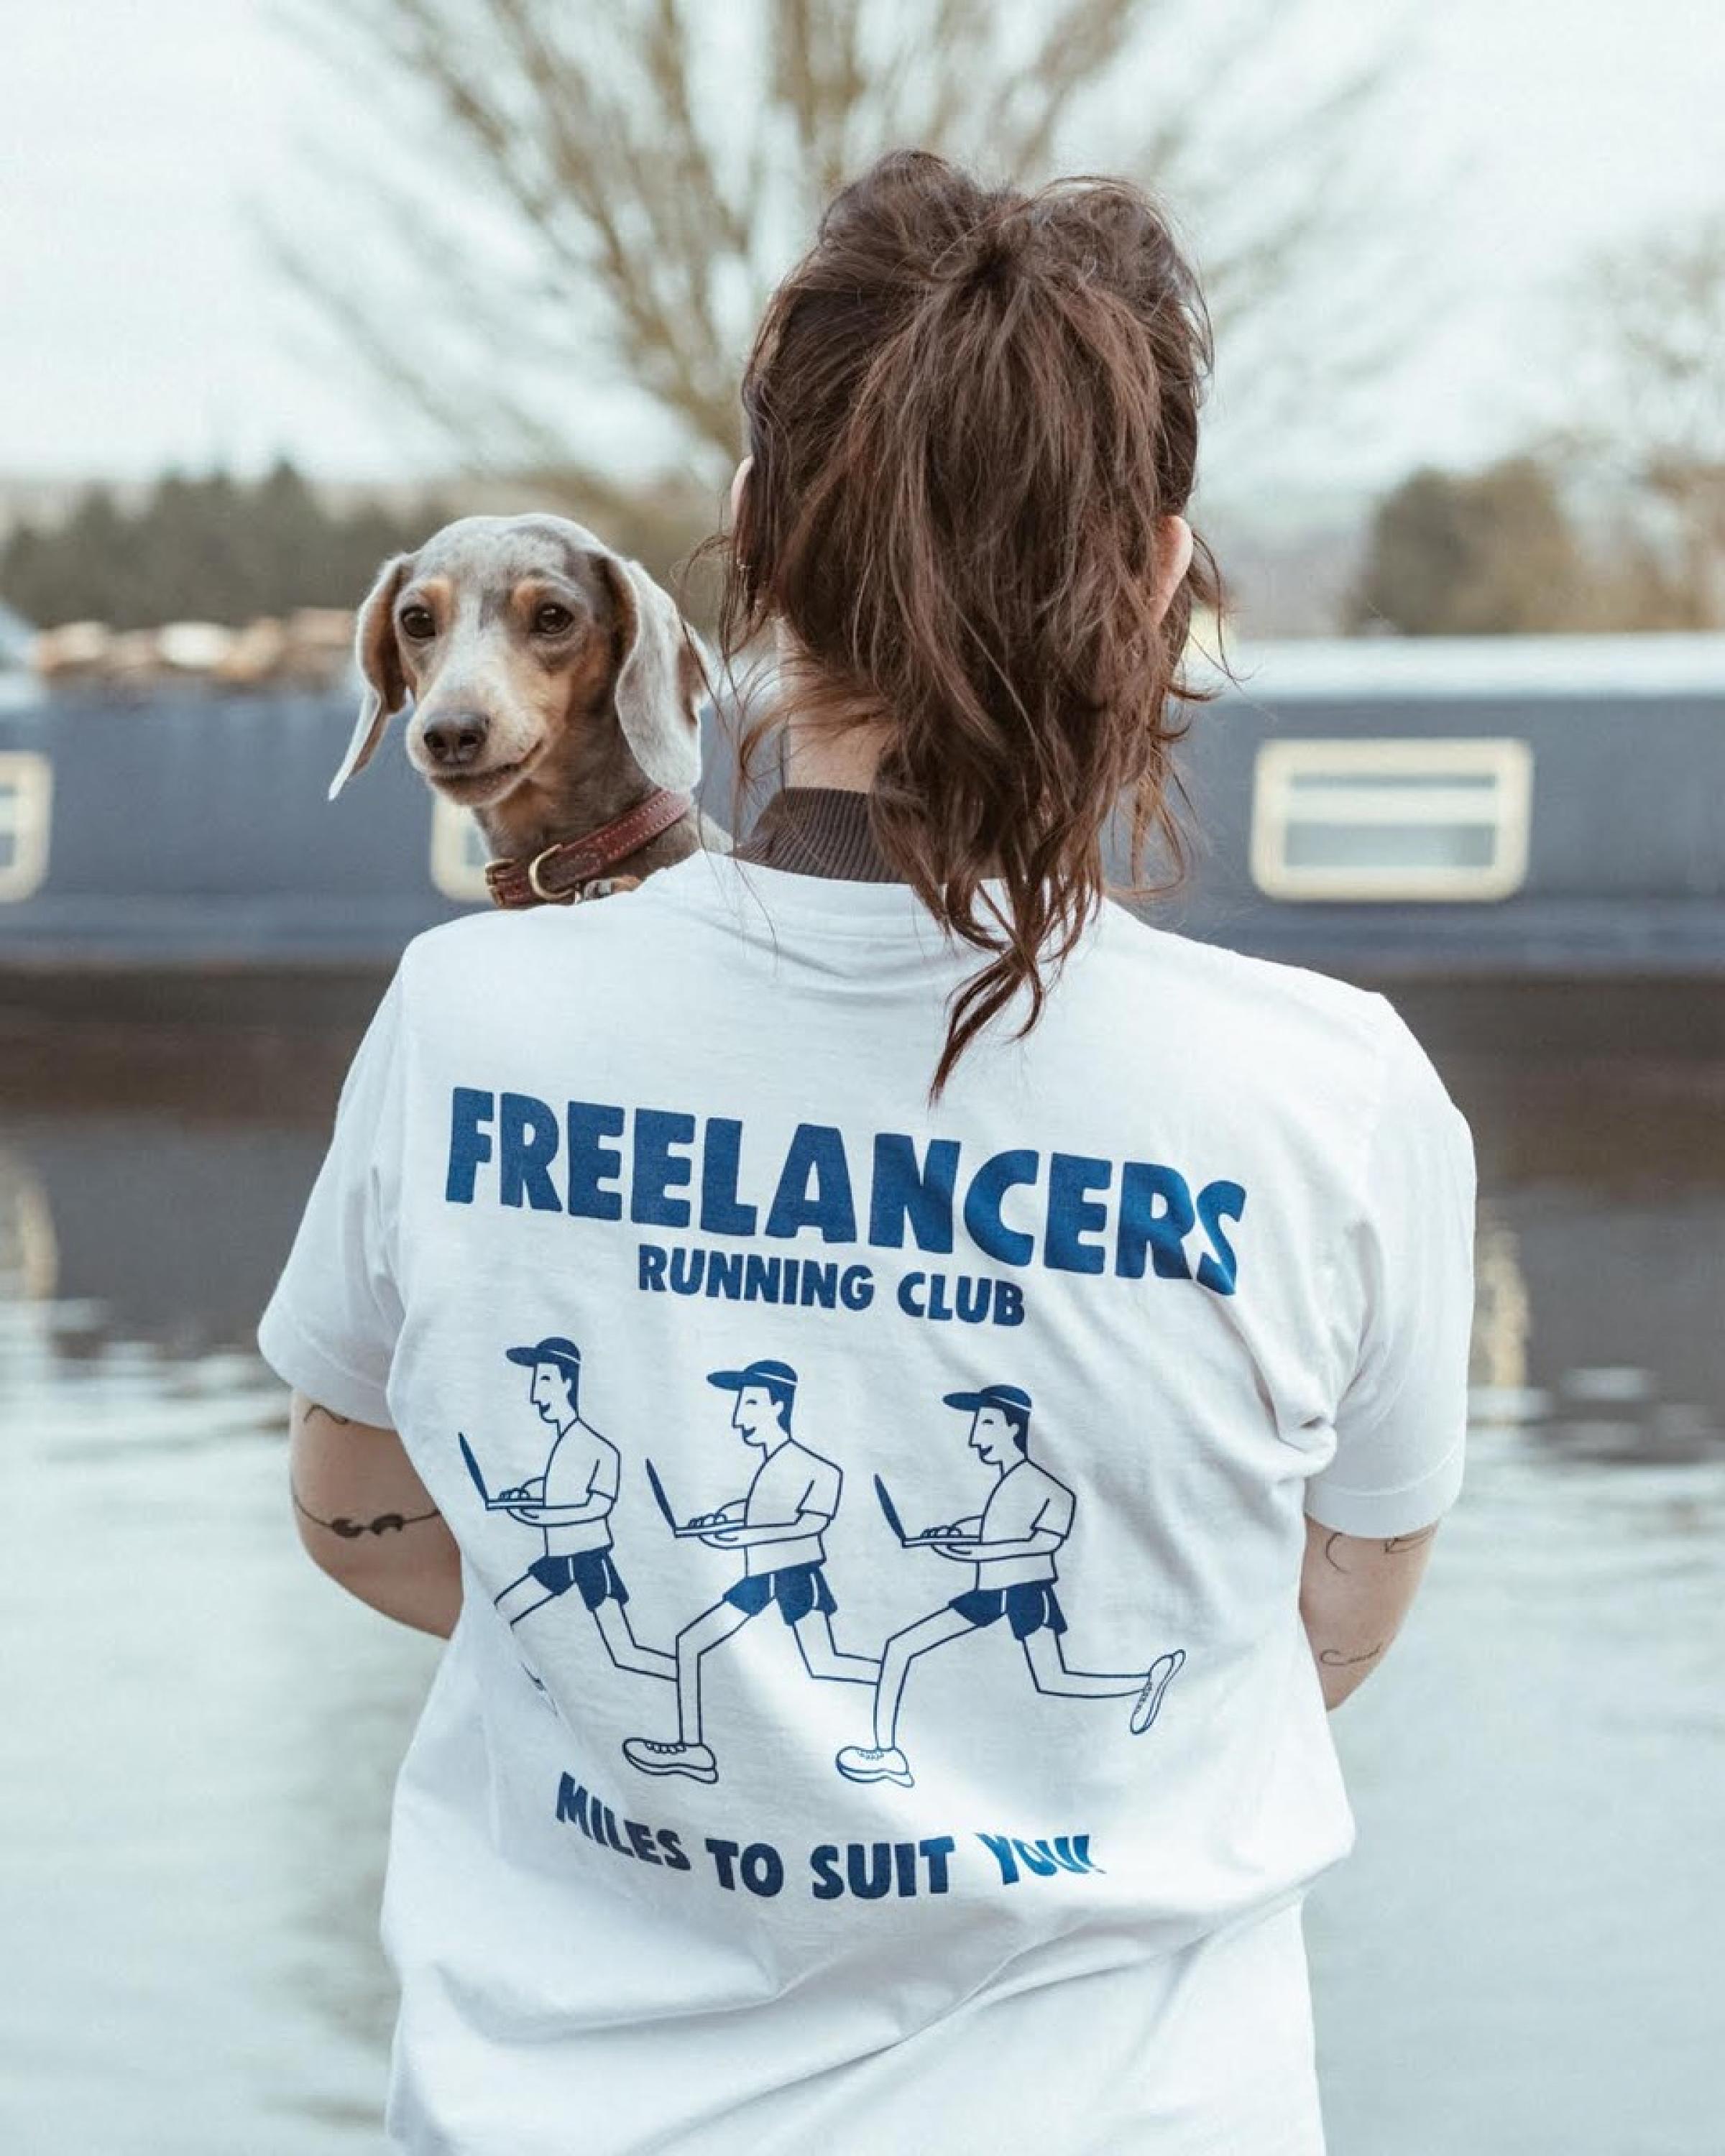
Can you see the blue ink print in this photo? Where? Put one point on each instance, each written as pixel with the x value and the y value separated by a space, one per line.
pixel 1011 1547
pixel 571 1505
pixel 778 1526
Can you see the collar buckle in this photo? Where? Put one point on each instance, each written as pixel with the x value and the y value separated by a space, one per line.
pixel 536 886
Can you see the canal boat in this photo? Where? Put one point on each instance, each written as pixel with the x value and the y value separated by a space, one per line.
pixel 1384 809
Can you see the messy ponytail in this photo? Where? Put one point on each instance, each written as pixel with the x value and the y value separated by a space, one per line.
pixel 969 411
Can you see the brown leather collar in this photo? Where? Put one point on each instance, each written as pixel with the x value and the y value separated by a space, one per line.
pixel 571 868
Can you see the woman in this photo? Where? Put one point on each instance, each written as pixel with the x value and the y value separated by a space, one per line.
pixel 887 1346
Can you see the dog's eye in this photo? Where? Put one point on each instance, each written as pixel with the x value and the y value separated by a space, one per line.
pixel 418 622
pixel 552 619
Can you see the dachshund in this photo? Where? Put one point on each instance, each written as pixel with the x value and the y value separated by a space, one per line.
pixel 556 693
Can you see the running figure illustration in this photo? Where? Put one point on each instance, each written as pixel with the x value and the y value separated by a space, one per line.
pixel 778 1526
pixel 1011 1547
pixel 571 1505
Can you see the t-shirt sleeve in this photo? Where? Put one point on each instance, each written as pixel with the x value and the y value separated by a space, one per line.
pixel 1057 1507
pixel 331 1327
pixel 822 1495
pixel 1401 1424
pixel 603 1475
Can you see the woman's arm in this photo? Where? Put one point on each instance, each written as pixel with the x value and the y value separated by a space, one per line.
pixel 1354 1592
pixel 367 1520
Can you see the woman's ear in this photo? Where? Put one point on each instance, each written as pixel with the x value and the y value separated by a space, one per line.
pixel 739 480
pixel 1174 544
pixel 741 540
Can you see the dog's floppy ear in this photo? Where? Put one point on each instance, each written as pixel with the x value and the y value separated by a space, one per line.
pixel 379 664
pixel 659 684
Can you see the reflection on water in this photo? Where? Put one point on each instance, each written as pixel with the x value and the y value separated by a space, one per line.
pixel 195 1755
pixel 196 1747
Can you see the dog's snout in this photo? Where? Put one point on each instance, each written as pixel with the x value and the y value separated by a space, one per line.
pixel 454 742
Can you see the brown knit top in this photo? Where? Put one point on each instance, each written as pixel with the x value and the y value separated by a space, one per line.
pixel 818 831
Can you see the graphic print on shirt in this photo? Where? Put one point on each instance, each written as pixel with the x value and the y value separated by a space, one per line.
pixel 1011 1546
pixel 570 1504
pixel 778 1526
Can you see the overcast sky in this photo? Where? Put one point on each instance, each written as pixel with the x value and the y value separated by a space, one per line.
pixel 144 323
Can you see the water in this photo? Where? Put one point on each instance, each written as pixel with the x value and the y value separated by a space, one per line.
pixel 198 1733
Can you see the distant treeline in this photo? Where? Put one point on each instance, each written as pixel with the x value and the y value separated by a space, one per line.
pixel 209 549
pixel 1499 552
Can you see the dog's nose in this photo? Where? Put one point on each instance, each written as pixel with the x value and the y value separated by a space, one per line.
pixel 456 739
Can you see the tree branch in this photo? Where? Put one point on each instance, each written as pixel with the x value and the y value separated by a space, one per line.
pixel 625 207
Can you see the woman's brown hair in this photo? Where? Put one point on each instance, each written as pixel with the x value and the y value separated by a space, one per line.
pixel 970 410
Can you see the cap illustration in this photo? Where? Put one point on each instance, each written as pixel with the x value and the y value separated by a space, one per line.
pixel 564 1353
pixel 991 1396
pixel 754 1373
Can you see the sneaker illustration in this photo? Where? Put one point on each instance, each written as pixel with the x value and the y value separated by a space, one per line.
pixel 869 1763
pixel 1161 1670
pixel 696 1761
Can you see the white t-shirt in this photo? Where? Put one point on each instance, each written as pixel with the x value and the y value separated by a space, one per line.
pixel 1212 1215
pixel 791 1483
pixel 1024 1501
pixel 582 1468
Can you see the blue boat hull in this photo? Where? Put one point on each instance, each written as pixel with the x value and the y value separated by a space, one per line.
pixel 195 835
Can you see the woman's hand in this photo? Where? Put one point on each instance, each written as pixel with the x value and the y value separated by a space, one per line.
pixel 368 1520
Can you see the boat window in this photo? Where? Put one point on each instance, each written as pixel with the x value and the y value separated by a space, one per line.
pixel 1391 819
pixel 26 794
pixel 458 853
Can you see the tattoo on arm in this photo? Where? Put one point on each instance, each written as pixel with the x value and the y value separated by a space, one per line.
pixel 1332 1658
pixel 351 1530
pixel 1392 1545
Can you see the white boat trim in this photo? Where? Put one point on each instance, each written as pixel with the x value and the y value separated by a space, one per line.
pixel 25 818
pixel 1449 666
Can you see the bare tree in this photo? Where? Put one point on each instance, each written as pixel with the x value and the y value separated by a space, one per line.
pixel 585 204
pixel 1650 380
